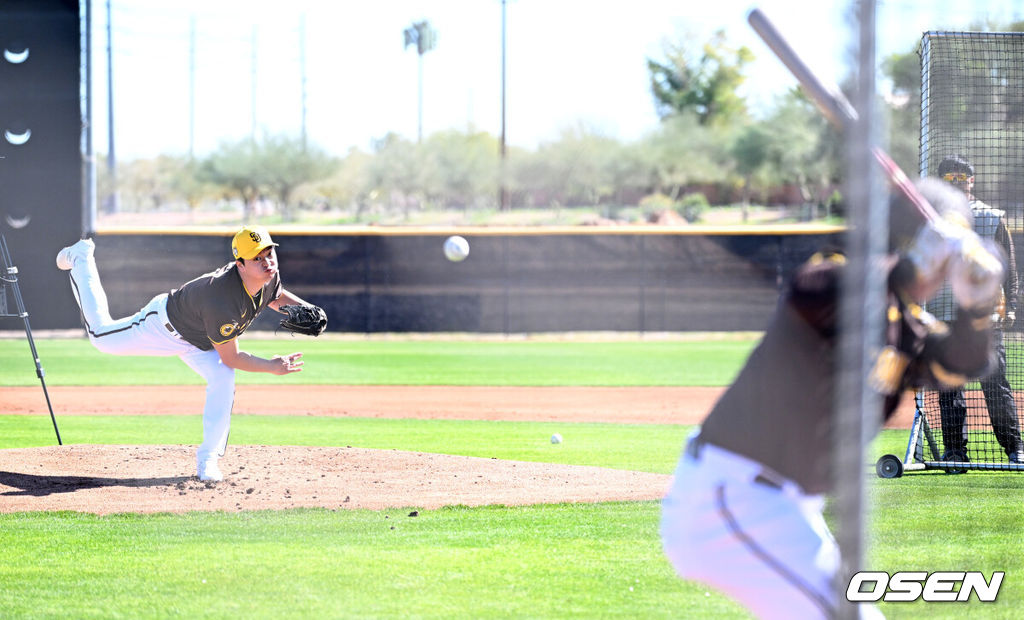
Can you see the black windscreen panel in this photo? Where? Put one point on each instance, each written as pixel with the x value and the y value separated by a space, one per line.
pixel 40 142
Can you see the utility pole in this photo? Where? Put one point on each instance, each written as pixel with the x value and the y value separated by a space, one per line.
pixel 89 170
pixel 302 63
pixel 503 171
pixel 113 201
pixel 424 38
pixel 252 105
pixel 192 89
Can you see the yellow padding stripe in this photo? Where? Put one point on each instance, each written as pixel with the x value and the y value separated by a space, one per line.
pixel 487 231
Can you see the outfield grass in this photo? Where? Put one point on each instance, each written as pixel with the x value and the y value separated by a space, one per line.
pixel 557 561
pixel 554 561
pixel 640 447
pixel 480 562
pixel 394 362
pixel 931 521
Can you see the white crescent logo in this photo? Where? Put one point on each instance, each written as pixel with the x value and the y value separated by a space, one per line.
pixel 17 139
pixel 16 58
pixel 19 222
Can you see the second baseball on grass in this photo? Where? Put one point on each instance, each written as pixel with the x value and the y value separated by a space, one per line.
pixel 556 438
pixel 456 248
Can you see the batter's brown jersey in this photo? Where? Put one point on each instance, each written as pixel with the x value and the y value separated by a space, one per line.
pixel 780 409
pixel 215 307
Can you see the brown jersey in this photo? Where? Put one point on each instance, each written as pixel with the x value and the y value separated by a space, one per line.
pixel 215 307
pixel 779 411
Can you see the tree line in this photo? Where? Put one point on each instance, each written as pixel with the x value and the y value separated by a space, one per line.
pixel 709 148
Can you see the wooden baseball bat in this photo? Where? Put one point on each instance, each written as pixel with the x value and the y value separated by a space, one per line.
pixel 834 106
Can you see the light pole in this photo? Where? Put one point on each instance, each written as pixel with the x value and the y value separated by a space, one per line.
pixel 503 172
pixel 424 38
pixel 113 201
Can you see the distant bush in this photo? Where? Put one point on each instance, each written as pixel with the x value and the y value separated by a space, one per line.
pixel 692 206
pixel 654 203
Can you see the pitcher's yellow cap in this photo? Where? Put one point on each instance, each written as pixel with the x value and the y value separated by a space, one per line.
pixel 250 241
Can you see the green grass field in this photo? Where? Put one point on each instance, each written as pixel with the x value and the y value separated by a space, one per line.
pixel 711 362
pixel 550 561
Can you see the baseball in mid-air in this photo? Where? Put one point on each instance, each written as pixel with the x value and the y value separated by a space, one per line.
pixel 456 248
pixel 556 438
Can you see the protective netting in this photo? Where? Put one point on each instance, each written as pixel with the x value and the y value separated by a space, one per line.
pixel 972 105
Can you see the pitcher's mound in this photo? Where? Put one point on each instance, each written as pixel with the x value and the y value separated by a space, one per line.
pixel 110 479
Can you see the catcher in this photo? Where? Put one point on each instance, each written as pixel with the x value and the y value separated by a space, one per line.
pixel 200 322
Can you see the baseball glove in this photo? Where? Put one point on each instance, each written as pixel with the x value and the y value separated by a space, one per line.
pixel 307 320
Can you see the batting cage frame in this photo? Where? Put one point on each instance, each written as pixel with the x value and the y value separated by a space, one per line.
pixel 972 135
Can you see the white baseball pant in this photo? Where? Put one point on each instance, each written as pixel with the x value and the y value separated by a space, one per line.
pixel 732 524
pixel 149 332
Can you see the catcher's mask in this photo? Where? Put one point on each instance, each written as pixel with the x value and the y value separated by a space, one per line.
pixel 249 242
pixel 956 169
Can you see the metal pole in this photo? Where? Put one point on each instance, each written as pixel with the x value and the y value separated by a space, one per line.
pixel 302 61
pixel 88 151
pixel 252 88
pixel 192 88
pixel 113 204
pixel 858 407
pixel 503 171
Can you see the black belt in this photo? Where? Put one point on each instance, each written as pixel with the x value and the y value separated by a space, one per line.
pixel 173 331
pixel 767 477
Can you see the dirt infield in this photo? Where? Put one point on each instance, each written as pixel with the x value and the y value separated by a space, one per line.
pixel 106 479
pixel 622 405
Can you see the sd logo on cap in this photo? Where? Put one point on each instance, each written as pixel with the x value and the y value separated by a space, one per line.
pixel 250 241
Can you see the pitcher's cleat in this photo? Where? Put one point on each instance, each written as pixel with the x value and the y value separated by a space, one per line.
pixel 209 472
pixel 80 251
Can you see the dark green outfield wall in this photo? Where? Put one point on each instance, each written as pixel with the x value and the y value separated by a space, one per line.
pixel 513 283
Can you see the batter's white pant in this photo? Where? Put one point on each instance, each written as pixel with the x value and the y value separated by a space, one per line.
pixel 149 332
pixel 752 534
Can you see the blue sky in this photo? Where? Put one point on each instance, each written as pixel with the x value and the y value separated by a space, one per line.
pixel 568 62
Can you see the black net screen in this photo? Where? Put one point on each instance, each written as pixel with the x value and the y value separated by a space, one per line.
pixel 972 134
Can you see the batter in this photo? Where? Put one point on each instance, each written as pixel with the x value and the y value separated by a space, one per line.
pixel 744 514
pixel 200 322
